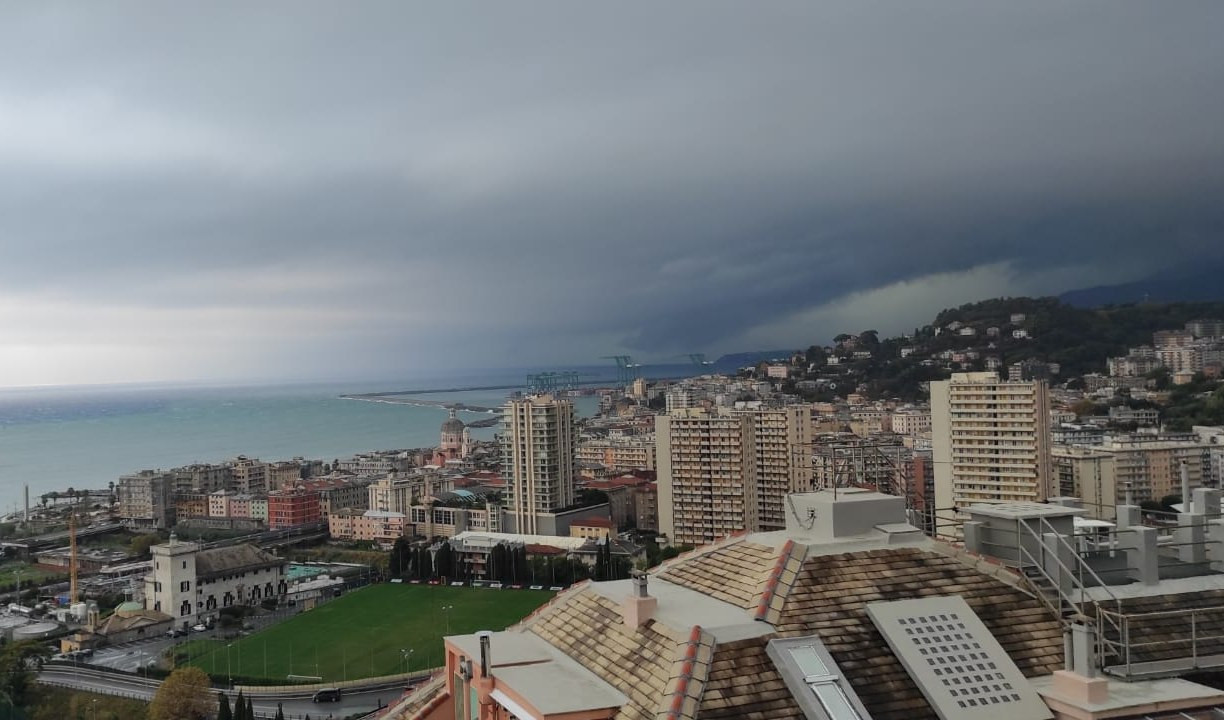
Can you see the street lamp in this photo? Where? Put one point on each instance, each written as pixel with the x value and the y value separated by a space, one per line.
pixel 407 653
pixel 446 611
pixel 228 668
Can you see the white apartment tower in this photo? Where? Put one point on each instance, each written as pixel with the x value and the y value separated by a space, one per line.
pixel 990 440
pixel 707 475
pixel 539 441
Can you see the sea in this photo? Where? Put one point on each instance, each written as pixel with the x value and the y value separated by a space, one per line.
pixel 55 438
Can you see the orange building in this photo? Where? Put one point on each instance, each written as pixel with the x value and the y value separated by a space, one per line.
pixel 290 508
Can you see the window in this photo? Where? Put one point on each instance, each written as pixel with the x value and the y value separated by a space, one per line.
pixel 185 586
pixel 184 564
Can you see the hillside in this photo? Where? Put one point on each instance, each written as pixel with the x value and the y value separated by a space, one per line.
pixel 1078 339
pixel 1199 282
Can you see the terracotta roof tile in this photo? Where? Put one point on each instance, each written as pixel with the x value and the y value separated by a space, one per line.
pixel 639 664
pixel 737 572
pixel 831 591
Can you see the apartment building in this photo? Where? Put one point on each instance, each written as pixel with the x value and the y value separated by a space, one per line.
pixel 1090 474
pixel 146 499
pixel 782 440
pixel 910 422
pixel 619 454
pixel 377 526
pixel 397 491
pixel 338 492
pixel 290 508
pixel 249 475
pixel 201 478
pixel 990 440
pixel 539 444
pixel 1150 467
pixel 707 475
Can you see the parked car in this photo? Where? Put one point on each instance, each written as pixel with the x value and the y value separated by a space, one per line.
pixel 200 627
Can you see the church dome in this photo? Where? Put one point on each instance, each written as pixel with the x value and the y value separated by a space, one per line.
pixel 453 424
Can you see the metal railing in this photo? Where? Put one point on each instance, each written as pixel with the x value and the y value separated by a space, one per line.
pixel 1105 645
pixel 1196 619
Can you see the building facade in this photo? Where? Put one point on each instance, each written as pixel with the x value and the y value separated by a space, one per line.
pixel 192 585
pixel 990 440
pixel 539 444
pixel 782 440
pixel 146 499
pixel 290 508
pixel 707 475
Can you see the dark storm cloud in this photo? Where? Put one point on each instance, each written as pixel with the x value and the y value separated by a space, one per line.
pixel 553 182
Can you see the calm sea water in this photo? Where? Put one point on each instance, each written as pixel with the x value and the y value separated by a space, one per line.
pixel 55 438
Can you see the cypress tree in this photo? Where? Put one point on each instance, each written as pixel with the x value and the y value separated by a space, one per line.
pixel 223 707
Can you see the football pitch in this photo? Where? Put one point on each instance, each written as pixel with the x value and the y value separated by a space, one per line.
pixel 367 633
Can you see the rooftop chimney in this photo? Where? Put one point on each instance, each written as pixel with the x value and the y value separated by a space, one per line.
pixel 1079 681
pixel 639 607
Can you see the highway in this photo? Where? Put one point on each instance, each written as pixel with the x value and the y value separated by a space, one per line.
pixel 296 704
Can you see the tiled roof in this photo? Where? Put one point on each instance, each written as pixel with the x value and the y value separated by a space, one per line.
pixel 639 664
pixel 743 683
pixel 831 591
pixel 736 572
pixel 233 558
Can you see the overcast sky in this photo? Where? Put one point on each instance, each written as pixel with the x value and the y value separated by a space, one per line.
pixel 217 191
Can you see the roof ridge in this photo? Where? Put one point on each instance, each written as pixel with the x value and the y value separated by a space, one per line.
pixel 781 579
pixel 699 551
pixel 689 675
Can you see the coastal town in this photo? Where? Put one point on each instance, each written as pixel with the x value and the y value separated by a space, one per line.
pixel 665 468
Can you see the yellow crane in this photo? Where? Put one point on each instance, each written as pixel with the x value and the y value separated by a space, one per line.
pixel 72 560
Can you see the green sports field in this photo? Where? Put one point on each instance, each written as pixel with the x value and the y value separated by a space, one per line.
pixel 362 633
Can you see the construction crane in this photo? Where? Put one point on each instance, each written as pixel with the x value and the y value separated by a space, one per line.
pixel 626 370
pixel 547 382
pixel 72 560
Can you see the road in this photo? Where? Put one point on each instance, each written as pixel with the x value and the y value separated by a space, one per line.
pixel 296 705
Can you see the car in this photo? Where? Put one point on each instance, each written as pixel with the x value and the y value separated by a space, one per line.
pixel 175 632
pixel 200 627
pixel 326 695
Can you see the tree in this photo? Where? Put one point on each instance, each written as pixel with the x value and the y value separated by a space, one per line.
pixel 280 712
pixel 240 712
pixel 223 707
pixel 141 543
pixel 18 663
pixel 397 563
pixel 250 709
pixel 184 695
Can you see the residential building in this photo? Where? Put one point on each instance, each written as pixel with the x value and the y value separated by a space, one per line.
pixel 290 508
pixel 620 454
pixel 782 440
pixel 707 475
pixel 378 526
pixel 190 505
pixel 146 499
pixel 991 440
pixel 1089 474
pixel 376 463
pixel 1211 329
pixel 397 491
pixel 434 521
pixel 680 398
pixel 201 478
pixel 910 422
pixel 249 475
pixel 193 584
pixel 338 492
pixel 539 443
pixel 593 528
pixel 1149 467
pixel 219 503
pixel 646 507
